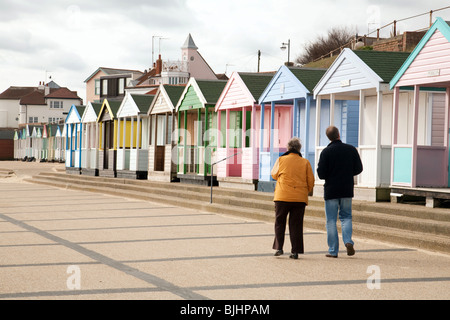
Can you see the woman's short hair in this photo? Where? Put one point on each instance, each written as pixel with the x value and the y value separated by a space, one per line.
pixel 294 144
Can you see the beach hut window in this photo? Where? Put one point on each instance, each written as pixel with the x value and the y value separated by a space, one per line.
pixel 169 129
pixel 161 127
pixel 152 130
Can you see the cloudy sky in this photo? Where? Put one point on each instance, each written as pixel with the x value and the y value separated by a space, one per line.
pixel 70 39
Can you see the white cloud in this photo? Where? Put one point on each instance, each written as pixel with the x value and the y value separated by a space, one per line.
pixel 72 38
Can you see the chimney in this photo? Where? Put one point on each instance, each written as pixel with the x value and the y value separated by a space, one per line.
pixel 158 65
pixel 46 89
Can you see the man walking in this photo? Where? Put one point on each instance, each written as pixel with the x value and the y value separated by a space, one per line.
pixel 338 164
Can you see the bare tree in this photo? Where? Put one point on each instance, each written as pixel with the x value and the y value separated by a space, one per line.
pixel 335 38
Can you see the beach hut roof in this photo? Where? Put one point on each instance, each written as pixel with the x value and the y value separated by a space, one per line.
pixel 442 26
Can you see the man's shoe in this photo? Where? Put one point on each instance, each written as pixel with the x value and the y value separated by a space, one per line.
pixel 350 249
pixel 294 256
pixel 278 253
pixel 330 256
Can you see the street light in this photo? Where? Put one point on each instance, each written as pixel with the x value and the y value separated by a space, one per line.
pixel 288 45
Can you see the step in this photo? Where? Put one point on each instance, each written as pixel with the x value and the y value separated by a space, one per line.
pixel 6 173
pixel 375 218
pixel 381 233
pixel 410 211
pixel 381 207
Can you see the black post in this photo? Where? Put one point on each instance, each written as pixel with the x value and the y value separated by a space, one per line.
pixel 212 166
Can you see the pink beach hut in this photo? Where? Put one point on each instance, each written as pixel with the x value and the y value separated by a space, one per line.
pixel 420 140
pixel 237 113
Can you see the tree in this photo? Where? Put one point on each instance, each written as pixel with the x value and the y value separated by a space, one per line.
pixel 323 45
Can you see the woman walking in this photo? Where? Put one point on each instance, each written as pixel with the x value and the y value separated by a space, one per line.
pixel 295 181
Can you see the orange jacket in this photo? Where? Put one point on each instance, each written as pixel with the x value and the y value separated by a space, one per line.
pixel 295 178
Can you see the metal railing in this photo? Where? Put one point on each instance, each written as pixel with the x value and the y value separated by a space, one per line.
pixel 394 32
pixel 212 170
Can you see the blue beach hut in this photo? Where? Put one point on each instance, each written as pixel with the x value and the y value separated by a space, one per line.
pixel 73 139
pixel 292 105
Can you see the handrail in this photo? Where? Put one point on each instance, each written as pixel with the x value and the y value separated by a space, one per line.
pixel 212 166
pixel 394 23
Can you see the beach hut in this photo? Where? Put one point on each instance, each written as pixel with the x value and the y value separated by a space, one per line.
pixel 162 151
pixel 291 114
pixel 23 143
pixel 73 139
pixel 60 141
pixel 50 131
pixel 197 130
pixel 89 144
pixel 132 136
pixel 420 139
pixel 238 114
pixel 107 121
pixel 17 144
pixel 36 137
pixel 44 144
pixel 361 77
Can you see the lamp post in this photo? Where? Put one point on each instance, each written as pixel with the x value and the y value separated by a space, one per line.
pixel 288 45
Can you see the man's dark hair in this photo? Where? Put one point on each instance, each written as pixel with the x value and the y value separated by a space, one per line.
pixel 332 133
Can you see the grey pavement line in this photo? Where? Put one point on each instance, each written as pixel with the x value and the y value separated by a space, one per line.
pixel 119 217
pixel 149 278
pixel 220 287
pixel 190 258
pixel 42 294
pixel 59 197
pixel 151 226
pixel 315 283
pixel 62 204
pixel 141 240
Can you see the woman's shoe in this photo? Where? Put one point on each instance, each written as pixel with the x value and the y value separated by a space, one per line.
pixel 278 253
pixel 294 256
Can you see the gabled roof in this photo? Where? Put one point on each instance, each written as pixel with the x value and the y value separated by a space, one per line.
pixel 111 71
pixel 256 82
pixel 63 93
pixel 173 92
pixel 439 24
pixel 16 92
pixel 112 107
pixel 74 114
pixel 308 76
pixel 170 94
pixel 34 98
pixel 91 112
pixel 207 91
pixel 301 82
pixel 375 67
pixel 243 89
pixel 211 89
pixel 384 63
pixel 134 104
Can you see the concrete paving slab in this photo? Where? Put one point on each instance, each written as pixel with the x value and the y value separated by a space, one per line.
pixel 131 249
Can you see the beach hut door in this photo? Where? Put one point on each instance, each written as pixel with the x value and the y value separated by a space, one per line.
pixel 160 142
pixel 108 141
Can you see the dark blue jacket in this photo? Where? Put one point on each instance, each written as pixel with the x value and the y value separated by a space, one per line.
pixel 338 163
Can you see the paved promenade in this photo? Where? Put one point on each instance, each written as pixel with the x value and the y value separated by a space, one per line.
pixel 65 244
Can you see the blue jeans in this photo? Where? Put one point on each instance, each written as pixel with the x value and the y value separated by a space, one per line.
pixel 343 207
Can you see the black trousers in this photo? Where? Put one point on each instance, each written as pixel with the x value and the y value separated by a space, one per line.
pixel 296 212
